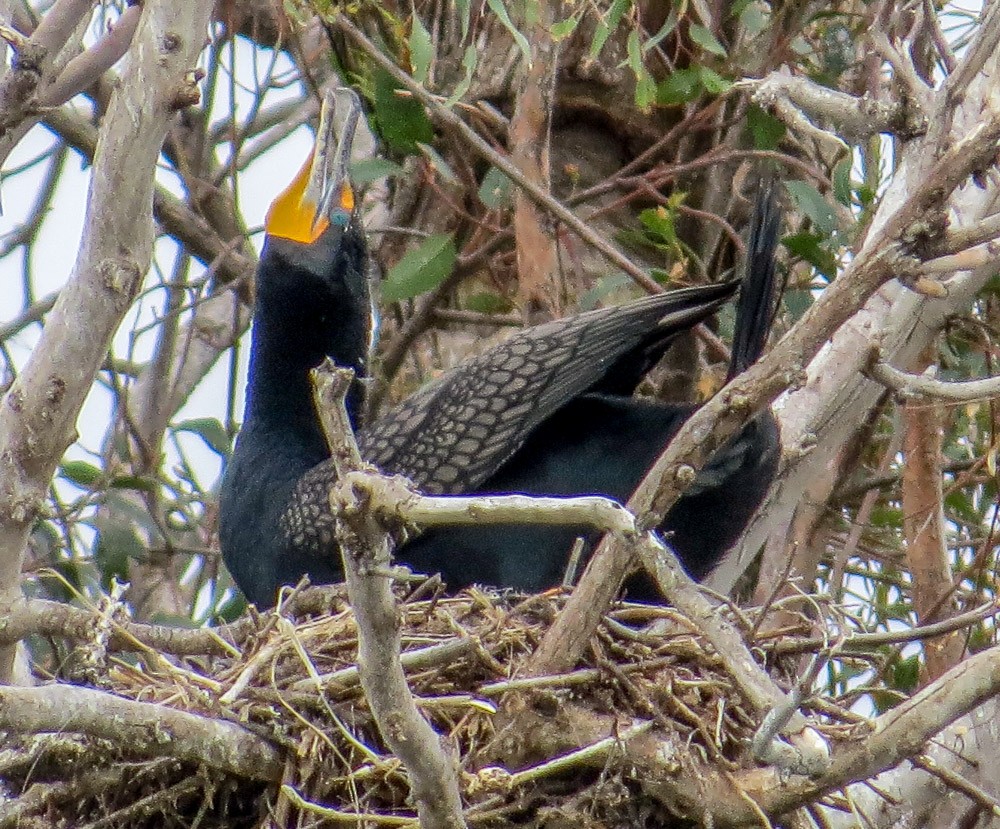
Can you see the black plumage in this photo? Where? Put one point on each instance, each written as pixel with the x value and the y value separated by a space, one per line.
pixel 545 412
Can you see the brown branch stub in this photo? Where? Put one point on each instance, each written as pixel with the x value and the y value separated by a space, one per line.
pixel 365 552
pixel 530 131
pixel 925 531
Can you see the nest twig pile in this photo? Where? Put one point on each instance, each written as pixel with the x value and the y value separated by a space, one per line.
pixel 535 750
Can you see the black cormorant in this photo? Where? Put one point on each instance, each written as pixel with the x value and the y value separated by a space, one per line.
pixel 549 411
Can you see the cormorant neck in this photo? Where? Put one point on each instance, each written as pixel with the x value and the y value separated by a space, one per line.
pixel 311 304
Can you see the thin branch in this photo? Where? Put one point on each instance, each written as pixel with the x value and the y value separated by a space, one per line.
pixel 47 618
pixel 85 69
pixel 910 386
pixel 861 642
pixel 962 238
pixel 433 656
pixel 954 780
pixel 394 501
pixel 854 117
pixel 365 553
pixel 39 412
pixel 446 116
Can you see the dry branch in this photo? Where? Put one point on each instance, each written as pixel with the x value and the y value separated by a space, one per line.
pixel 147 729
pixel 912 386
pixel 39 411
pixel 364 547
pixel 888 252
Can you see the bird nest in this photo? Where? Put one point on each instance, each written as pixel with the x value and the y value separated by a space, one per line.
pixel 294 742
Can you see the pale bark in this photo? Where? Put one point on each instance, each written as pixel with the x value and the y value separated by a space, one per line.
pixel 38 413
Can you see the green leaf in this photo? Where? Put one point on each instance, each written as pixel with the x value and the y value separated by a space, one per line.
pixel 470 59
pixel 402 121
pixel 606 25
pixel 485 302
pixel 813 204
pixel 713 82
pixel 496 189
pixel 737 8
pixel 603 288
pixel 753 20
pixel 645 91
pixel 766 130
pixel 634 49
pixel 797 301
pixel 706 40
pixel 441 167
pixel 210 430
pixel 366 170
pixel 906 674
pixel 81 473
pixel 562 29
pixel 422 269
pixel 421 48
pixel 842 182
pixel 668 26
pixel 137 483
pixel 500 10
pixel 645 86
pixel 465 12
pixel 659 224
pixel 117 544
pixel 679 87
pixel 809 246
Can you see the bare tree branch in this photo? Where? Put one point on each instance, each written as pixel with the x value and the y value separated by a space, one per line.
pixel 145 728
pixel 911 386
pixel 39 411
pixel 885 255
pixel 364 549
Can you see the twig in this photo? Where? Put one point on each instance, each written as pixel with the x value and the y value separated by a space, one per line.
pixel 365 552
pixel 909 386
pixel 854 117
pixel 956 781
pixel 47 618
pixel 447 116
pixel 938 37
pixel 394 500
pixel 962 238
pixel 432 656
pixel 586 755
pixel 916 91
pixel 85 69
pixel 353 818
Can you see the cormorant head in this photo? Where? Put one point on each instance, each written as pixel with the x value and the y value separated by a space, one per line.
pixel 313 280
pixel 319 203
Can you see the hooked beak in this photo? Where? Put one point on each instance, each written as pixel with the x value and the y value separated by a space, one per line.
pixel 329 185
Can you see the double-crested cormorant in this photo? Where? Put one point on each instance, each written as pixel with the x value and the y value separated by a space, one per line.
pixel 548 411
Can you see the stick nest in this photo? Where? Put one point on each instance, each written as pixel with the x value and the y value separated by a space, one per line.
pixel 537 751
